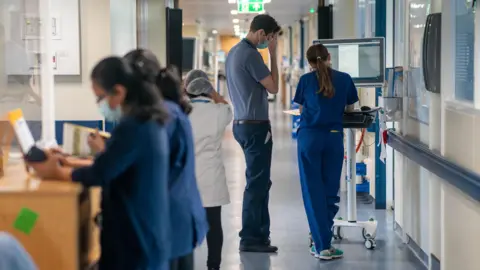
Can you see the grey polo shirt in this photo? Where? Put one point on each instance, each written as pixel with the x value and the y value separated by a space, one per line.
pixel 245 69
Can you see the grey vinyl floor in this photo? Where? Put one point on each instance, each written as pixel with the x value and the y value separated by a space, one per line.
pixel 289 229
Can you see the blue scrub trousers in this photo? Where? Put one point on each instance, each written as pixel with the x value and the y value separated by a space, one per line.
pixel 256 142
pixel 320 160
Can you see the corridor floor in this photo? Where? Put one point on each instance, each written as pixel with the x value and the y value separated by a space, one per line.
pixel 289 229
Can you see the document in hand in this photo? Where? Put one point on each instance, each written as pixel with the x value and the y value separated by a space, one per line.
pixel 75 140
pixel 295 112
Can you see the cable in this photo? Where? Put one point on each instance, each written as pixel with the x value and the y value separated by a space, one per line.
pixel 361 141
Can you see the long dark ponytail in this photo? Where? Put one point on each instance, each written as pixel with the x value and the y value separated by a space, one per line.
pixel 317 56
pixel 142 100
pixel 165 79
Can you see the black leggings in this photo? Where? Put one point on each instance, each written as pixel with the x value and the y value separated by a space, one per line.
pixel 214 236
pixel 183 263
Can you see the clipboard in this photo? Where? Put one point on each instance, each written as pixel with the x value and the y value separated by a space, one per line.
pixel 31 152
pixel 6 139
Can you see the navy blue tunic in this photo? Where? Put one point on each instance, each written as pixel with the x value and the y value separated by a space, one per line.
pixel 133 173
pixel 188 220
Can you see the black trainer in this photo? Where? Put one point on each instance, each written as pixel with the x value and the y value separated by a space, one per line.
pixel 259 248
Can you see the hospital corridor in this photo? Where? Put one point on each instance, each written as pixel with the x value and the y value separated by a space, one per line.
pixel 289 225
pixel 239 134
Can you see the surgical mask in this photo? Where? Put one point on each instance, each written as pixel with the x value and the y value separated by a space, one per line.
pixel 263 45
pixel 109 114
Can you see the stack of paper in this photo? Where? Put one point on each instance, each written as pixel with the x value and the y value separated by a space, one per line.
pixel 293 112
pixel 75 140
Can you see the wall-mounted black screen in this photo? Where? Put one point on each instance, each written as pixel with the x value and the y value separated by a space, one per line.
pixel 188 55
pixel 174 38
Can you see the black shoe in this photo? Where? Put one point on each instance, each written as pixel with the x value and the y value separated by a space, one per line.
pixel 262 248
pixel 214 268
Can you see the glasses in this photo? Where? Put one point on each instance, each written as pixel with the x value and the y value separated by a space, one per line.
pixel 100 98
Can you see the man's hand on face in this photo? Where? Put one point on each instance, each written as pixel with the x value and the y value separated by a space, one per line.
pixel 272 45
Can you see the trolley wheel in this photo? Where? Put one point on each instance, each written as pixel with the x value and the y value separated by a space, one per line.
pixel 366 235
pixel 370 244
pixel 337 233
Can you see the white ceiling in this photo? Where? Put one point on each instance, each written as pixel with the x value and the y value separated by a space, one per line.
pixel 215 14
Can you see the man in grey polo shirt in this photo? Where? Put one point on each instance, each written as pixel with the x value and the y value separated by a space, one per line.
pixel 248 81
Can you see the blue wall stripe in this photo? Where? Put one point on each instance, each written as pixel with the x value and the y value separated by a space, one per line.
pixel 380 167
pixel 302 44
pixel 109 126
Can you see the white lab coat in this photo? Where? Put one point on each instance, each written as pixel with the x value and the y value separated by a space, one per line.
pixel 209 121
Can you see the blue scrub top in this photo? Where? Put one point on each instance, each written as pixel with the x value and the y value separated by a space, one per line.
pixel 320 112
pixel 188 219
pixel 133 173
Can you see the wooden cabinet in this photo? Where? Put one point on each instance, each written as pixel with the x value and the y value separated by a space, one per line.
pixel 63 234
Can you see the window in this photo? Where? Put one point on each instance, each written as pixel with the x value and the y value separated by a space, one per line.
pixel 464 50
pixel 418 98
pixel 20 61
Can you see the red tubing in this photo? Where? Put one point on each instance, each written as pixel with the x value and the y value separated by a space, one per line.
pixel 361 141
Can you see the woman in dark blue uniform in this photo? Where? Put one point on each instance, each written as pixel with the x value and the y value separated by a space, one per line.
pixel 132 170
pixel 188 218
pixel 323 95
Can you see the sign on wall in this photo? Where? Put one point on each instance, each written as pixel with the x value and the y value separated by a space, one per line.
pixel 250 6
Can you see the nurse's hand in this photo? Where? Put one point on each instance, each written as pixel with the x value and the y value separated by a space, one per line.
pixel 217 98
pixel 49 169
pixel 75 163
pixel 96 142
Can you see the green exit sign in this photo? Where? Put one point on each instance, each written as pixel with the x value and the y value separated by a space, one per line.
pixel 250 7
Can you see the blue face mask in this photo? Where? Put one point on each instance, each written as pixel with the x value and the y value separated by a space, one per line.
pixel 263 45
pixel 109 114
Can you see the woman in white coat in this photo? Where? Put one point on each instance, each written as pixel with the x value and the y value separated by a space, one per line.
pixel 210 116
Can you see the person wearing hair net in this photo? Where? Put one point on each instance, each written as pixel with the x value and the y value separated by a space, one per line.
pixel 210 116
pixel 192 75
pixel 13 255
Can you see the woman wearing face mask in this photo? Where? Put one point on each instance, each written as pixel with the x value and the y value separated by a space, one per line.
pixel 132 170
pixel 188 221
pixel 323 95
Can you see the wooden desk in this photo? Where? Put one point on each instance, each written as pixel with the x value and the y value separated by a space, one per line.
pixel 62 236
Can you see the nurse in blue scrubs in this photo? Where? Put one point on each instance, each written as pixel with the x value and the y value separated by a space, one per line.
pixel 132 170
pixel 323 95
pixel 188 219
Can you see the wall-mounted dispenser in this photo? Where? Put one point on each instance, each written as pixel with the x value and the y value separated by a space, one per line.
pixel 432 45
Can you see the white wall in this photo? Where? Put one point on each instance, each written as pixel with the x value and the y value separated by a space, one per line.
pixel 74 99
pixel 123 24
pixel 101 19
pixel 412 183
pixel 459 215
pixel 344 18
pixel 439 217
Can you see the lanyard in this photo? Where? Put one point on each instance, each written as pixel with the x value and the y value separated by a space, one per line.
pixel 200 101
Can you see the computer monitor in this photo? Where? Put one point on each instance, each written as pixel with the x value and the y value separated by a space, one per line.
pixel 363 59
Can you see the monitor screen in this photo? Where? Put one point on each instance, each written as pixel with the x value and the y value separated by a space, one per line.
pixel 363 59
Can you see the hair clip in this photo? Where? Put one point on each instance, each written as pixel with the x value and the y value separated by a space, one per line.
pixel 140 64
